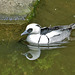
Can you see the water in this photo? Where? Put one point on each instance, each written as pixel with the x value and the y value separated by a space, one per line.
pixel 50 61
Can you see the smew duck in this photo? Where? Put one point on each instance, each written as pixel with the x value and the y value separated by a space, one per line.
pixel 38 35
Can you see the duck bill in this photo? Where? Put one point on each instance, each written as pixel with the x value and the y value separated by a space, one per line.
pixel 24 33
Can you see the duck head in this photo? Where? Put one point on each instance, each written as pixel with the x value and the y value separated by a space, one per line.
pixel 32 29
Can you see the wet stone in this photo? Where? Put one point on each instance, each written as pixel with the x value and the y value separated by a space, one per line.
pixel 15 9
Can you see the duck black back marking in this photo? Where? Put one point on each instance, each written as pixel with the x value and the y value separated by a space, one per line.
pixel 46 30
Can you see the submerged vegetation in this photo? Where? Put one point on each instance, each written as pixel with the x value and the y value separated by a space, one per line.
pixel 33 9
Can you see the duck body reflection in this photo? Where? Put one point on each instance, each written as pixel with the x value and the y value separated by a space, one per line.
pixel 35 51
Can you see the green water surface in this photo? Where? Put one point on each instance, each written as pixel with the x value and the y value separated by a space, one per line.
pixel 60 61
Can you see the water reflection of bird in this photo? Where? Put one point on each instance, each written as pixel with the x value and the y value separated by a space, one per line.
pixel 32 54
pixel 47 35
pixel 35 51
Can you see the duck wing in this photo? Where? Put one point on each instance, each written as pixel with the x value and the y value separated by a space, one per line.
pixel 57 30
pixel 72 26
pixel 46 30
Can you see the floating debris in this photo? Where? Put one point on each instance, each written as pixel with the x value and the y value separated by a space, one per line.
pixel 73 15
pixel 55 9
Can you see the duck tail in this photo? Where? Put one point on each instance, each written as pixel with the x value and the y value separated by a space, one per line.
pixel 72 25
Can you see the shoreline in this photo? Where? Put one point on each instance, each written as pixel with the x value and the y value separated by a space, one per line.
pixel 26 19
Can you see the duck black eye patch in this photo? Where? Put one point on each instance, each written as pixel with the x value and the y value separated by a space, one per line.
pixel 29 30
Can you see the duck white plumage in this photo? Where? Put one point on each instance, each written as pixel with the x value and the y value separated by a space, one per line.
pixel 47 35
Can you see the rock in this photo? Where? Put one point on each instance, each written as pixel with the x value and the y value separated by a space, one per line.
pixel 15 9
